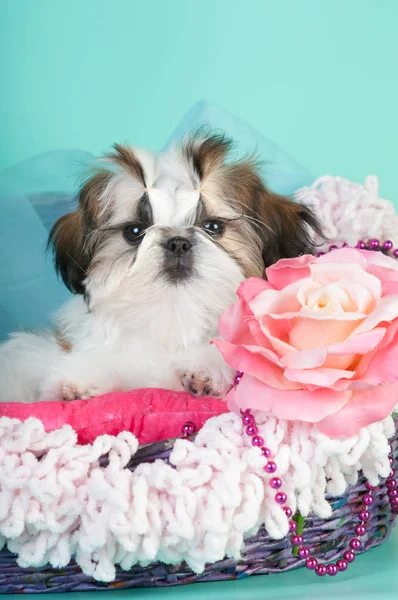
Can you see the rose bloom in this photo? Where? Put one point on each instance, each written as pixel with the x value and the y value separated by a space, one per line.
pixel 317 341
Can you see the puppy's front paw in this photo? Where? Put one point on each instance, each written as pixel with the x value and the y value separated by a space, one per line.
pixel 206 382
pixel 71 391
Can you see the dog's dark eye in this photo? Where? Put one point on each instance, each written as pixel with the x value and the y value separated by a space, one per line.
pixel 214 228
pixel 133 233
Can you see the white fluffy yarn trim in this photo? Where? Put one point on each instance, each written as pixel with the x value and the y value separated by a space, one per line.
pixel 57 502
pixel 349 211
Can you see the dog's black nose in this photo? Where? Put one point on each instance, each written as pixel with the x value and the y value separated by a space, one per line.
pixel 178 245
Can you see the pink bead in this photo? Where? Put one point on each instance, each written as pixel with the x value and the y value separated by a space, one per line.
pixel 360 530
pixel 292 526
pixel 321 570
pixel 276 483
pixel 311 564
pixel 288 511
pixel 373 244
pixel 342 565
pixel 391 483
pixel 395 253
pixel 333 247
pixel 361 245
pixel 248 419
pixel 349 556
pixel 266 452
pixel 320 254
pixel 252 430
pixel 270 467
pixel 355 544
pixel 364 515
pixel 368 500
pixel 297 540
pixel 188 428
pixel 392 493
pixel 332 570
pixel 369 486
pixel 304 552
pixel 280 497
pixel 257 441
pixel 387 245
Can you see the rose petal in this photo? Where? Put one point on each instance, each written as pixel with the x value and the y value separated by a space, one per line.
pixel 386 310
pixel 251 288
pixel 233 327
pixel 289 270
pixel 383 366
pixel 363 408
pixel 319 377
pixel 310 333
pixel 288 404
pixel 358 343
pixel 278 301
pixel 345 255
pixel 305 359
pixel 256 361
pixel 329 273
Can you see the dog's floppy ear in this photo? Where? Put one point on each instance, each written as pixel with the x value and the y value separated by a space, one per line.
pixel 70 237
pixel 292 229
pixel 67 244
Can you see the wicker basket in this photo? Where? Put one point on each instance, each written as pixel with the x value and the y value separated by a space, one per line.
pixel 261 555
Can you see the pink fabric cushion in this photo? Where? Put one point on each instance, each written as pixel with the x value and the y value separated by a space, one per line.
pixel 150 414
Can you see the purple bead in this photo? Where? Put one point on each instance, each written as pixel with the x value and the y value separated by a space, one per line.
pixel 297 540
pixel 248 420
pixel 368 500
pixel 394 502
pixel 188 428
pixel 369 486
pixel 280 497
pixel 391 461
pixel 311 564
pixel 361 245
pixel 342 565
pixel 245 412
pixel 276 483
pixel 391 483
pixel 373 244
pixel 266 452
pixel 392 493
pixel 396 253
pixel 391 474
pixel 332 570
pixel 355 544
pixel 239 373
pixel 292 526
pixel 349 556
pixel 364 515
pixel 270 467
pixel 321 570
pixel 320 254
pixel 345 245
pixel 237 379
pixel 304 552
pixel 332 247
pixel 252 430
pixel 387 245
pixel 288 511
pixel 360 530
pixel 257 441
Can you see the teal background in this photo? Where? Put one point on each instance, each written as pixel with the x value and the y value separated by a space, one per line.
pixel 318 77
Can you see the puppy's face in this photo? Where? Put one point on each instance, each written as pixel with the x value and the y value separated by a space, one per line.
pixel 182 228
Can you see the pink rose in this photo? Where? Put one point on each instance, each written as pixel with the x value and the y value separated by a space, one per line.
pixel 317 341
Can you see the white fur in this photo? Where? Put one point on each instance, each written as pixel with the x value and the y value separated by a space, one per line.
pixel 137 330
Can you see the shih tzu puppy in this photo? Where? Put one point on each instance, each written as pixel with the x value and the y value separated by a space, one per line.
pixel 154 253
